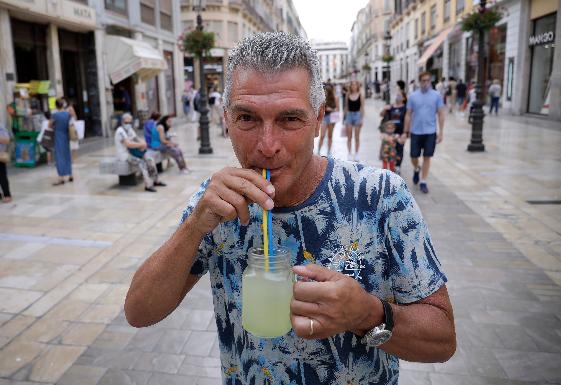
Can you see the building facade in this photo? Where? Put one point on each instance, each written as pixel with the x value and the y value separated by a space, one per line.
pixel 521 49
pixel 334 59
pixel 231 21
pixel 104 56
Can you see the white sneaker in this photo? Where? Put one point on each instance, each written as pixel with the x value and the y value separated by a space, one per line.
pixel 350 156
pixel 356 158
pixel 185 171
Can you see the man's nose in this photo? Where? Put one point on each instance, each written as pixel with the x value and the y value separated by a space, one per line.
pixel 269 142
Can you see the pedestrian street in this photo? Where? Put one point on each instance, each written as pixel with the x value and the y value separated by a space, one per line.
pixel 68 253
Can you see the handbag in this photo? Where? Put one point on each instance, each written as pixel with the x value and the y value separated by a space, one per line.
pixel 48 139
pixel 73 134
pixel 4 157
pixel 137 153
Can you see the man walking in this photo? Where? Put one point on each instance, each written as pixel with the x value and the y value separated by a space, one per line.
pixel 495 94
pixel 420 121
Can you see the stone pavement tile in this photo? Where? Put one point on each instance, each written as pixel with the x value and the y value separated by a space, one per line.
pixel 88 292
pixel 456 379
pixel 159 362
pixel 547 340
pixel 51 365
pixel 215 352
pixel 101 313
pixel 201 366
pixel 64 254
pixel 209 381
pixel 45 330
pixel 516 338
pixel 67 310
pixel 530 366
pixel 172 341
pixel 108 358
pixel 472 334
pixel 51 299
pixel 198 319
pixel 458 364
pixel 416 366
pixel 176 319
pixel 146 339
pixel 5 317
pixel 482 362
pixel 81 334
pixel 16 325
pixel 4 341
pixel 16 300
pixel 114 339
pixel 170 379
pixel 111 276
pixel 82 375
pixel 17 354
pixel 412 377
pixel 200 343
pixel 115 295
pixel 125 377
pixel 23 251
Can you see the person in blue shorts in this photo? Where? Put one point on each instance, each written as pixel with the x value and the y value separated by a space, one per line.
pixel 371 287
pixel 423 106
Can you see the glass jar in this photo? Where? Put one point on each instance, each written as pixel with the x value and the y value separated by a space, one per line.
pixel 266 293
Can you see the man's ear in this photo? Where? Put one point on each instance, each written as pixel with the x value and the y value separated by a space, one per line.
pixel 320 119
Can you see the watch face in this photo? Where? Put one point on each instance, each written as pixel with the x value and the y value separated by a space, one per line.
pixel 379 338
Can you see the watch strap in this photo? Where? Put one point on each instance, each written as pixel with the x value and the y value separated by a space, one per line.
pixel 388 315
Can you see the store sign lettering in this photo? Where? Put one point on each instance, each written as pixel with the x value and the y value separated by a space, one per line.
pixel 544 38
pixel 82 12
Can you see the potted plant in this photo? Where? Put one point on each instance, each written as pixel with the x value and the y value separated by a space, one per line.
pixel 197 42
pixel 482 18
pixel 387 58
pixel 366 68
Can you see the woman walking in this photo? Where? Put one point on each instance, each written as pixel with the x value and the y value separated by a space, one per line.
pixel 354 109
pixel 161 141
pixel 60 121
pixel 329 119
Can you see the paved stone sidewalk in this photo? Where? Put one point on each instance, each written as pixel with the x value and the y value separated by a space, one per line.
pixel 67 256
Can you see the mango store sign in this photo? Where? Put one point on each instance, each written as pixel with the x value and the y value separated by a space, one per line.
pixel 542 38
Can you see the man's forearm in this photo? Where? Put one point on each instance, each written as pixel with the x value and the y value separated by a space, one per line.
pixel 159 284
pixel 422 333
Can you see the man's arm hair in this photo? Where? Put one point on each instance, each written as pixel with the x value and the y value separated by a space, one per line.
pixel 441 115
pixel 163 280
pixel 407 121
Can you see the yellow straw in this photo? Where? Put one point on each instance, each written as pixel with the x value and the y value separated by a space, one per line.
pixel 265 232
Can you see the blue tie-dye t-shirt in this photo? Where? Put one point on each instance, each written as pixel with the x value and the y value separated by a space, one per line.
pixel 361 221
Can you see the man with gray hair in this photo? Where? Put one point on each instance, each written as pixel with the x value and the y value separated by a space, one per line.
pixel 370 288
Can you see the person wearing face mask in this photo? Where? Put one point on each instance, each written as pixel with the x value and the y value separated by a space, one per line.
pixel 423 106
pixel 132 149
pixel 395 113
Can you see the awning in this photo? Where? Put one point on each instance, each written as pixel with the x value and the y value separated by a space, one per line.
pixel 437 42
pixel 125 57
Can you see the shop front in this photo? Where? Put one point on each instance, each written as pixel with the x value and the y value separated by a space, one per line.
pixel 542 47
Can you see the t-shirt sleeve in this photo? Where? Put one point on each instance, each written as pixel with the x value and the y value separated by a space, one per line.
pixel 121 135
pixel 409 104
pixel 413 266
pixel 200 267
pixel 439 102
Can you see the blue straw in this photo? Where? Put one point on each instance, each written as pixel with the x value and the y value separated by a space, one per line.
pixel 270 223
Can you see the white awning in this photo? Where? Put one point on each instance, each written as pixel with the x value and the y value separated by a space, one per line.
pixel 437 42
pixel 125 57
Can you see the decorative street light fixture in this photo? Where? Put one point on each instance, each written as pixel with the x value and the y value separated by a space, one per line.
pixel 205 147
pixel 366 69
pixel 387 59
pixel 476 115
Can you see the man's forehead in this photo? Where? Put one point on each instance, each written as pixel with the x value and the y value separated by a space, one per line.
pixel 243 75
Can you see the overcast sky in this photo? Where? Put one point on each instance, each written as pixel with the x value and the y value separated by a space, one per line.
pixel 328 20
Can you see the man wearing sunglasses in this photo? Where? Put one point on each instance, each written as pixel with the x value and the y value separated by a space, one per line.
pixel 423 106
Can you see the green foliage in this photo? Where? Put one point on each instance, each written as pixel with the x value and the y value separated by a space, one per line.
pixel 387 58
pixel 198 43
pixel 481 19
pixel 366 68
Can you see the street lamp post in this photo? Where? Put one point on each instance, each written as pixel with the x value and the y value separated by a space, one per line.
pixel 476 115
pixel 205 147
pixel 366 70
pixel 388 39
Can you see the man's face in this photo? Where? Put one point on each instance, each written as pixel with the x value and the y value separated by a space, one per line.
pixel 425 83
pixel 272 125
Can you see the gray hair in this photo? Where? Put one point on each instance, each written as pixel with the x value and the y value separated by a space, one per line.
pixel 125 116
pixel 274 52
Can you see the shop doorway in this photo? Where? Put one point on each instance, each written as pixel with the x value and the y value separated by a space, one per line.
pixel 30 50
pixel 79 78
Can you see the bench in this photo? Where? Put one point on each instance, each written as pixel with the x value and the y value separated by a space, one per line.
pixel 127 172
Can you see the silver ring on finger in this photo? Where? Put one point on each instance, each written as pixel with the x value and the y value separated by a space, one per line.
pixel 311 326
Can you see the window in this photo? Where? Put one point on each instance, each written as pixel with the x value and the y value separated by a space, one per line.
pixel 166 21
pixel 407 34
pixel 459 6
pixel 119 6
pixel 423 23
pixel 446 10
pixel 148 11
pixel 233 32
pixel 416 32
pixel 433 17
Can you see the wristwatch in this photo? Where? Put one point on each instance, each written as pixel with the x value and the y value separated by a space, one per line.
pixel 383 332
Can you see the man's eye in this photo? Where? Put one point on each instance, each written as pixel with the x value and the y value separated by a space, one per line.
pixel 292 119
pixel 245 118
